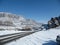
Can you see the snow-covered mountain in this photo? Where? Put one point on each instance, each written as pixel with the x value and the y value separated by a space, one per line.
pixel 9 19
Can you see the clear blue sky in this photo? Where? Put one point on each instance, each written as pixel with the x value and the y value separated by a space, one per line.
pixel 39 10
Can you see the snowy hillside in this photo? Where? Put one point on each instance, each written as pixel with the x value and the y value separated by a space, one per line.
pixel 12 19
pixel 39 38
pixel 9 23
pixel 17 21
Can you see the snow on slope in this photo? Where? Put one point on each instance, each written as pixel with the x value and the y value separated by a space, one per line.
pixel 39 38
pixel 15 19
pixel 9 19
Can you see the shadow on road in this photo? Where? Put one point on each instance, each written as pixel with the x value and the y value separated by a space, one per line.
pixel 1 43
pixel 50 43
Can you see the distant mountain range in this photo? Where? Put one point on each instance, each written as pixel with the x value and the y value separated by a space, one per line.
pixel 9 19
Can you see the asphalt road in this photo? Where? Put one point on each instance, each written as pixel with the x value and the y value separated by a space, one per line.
pixel 11 37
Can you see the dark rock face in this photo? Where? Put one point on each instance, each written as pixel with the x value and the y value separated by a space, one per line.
pixel 54 22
